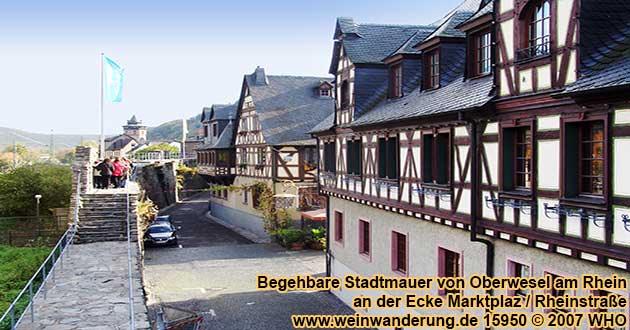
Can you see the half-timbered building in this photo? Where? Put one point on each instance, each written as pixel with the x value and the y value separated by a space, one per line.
pixel 216 157
pixel 272 144
pixel 490 142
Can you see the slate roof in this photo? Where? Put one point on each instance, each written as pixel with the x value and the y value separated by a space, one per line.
pixel 119 141
pixel 459 95
pixel 324 125
pixel 205 114
pixel 418 37
pixel 488 8
pixel 605 47
pixel 370 43
pixel 225 139
pixel 447 26
pixel 288 107
pixel 223 111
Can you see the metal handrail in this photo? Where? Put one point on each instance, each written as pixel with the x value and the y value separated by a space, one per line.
pixel 62 245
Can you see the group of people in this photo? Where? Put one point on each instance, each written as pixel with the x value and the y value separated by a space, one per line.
pixel 112 173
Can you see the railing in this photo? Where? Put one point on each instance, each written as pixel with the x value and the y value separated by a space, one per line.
pixel 31 230
pixel 155 156
pixel 534 51
pixel 18 308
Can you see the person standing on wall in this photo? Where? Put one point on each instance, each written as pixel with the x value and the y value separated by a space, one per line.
pixel 118 172
pixel 106 169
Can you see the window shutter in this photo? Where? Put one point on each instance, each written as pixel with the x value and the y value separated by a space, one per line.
pixel 427 158
pixel 571 160
pixel 443 156
pixel 392 160
pixel 382 158
pixel 508 159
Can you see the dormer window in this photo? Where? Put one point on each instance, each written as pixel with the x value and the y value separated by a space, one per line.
pixel 432 70
pixel 482 60
pixel 325 89
pixel 324 92
pixel 538 30
pixel 395 78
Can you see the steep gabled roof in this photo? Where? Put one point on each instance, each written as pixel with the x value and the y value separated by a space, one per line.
pixel 224 141
pixel 460 95
pixel 447 26
pixel 223 111
pixel 205 114
pixel 488 8
pixel 369 43
pixel 604 47
pixel 288 107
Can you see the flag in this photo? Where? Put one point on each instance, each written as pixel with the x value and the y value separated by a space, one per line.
pixel 184 130
pixel 113 80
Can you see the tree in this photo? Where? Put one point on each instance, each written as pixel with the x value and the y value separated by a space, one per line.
pixel 19 186
pixel 20 149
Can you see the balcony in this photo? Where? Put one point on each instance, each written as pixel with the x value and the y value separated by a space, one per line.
pixel 533 52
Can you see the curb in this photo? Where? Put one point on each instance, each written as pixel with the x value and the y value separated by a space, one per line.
pixel 243 232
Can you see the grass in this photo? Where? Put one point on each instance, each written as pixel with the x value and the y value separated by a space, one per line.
pixel 17 266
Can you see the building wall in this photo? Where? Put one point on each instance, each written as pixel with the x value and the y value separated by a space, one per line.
pixel 424 238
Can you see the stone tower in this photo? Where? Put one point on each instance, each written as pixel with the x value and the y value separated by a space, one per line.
pixel 135 129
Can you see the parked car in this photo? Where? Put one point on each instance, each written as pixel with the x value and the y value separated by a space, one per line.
pixel 163 218
pixel 161 233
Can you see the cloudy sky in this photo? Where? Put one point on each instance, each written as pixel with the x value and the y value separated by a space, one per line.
pixel 178 55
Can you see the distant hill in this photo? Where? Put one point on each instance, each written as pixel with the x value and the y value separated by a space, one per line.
pixel 169 131
pixel 172 130
pixel 37 140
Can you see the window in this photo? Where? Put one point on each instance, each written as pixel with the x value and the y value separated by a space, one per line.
pixel 205 130
pixel 222 158
pixel 517 158
pixel 516 269
pixel 388 158
pixel 538 32
pixel 215 129
pixel 449 264
pixel 338 226
pixel 245 197
pixel 329 157
pixel 243 152
pixel 325 92
pixel 310 159
pixel 345 94
pixel 244 126
pixel 399 253
pixel 353 156
pixel 225 193
pixel 436 158
pixel 483 60
pixel 585 159
pixel 432 68
pixel 261 157
pixel 395 81
pixel 592 158
pixel 557 293
pixel 364 237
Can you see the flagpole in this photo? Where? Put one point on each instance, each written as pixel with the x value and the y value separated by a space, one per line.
pixel 102 155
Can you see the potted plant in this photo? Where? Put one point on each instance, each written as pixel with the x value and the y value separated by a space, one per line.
pixel 292 238
pixel 317 238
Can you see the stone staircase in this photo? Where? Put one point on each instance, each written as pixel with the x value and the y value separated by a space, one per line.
pixel 103 216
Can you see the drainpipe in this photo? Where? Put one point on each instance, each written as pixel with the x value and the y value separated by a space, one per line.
pixel 475 198
pixel 319 189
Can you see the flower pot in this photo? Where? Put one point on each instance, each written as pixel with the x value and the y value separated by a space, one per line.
pixel 297 246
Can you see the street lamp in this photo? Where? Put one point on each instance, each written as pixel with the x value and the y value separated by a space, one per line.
pixel 38 197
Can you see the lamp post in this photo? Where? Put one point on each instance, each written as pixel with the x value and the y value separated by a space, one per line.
pixel 38 197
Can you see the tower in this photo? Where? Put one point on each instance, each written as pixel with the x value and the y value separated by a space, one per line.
pixel 135 129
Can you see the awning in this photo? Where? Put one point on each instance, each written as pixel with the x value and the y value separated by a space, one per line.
pixel 315 215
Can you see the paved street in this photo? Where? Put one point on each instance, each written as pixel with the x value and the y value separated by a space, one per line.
pixel 214 272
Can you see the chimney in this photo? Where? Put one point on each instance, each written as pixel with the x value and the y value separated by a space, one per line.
pixel 259 76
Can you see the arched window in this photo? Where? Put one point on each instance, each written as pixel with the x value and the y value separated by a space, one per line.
pixel 538 36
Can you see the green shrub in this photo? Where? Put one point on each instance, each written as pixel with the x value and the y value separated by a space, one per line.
pixel 19 186
pixel 288 236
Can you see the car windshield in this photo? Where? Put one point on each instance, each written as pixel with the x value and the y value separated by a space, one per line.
pixel 159 229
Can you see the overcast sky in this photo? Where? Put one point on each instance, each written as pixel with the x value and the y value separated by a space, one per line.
pixel 178 56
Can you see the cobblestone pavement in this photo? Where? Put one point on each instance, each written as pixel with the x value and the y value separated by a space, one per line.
pixel 214 273
pixel 90 292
